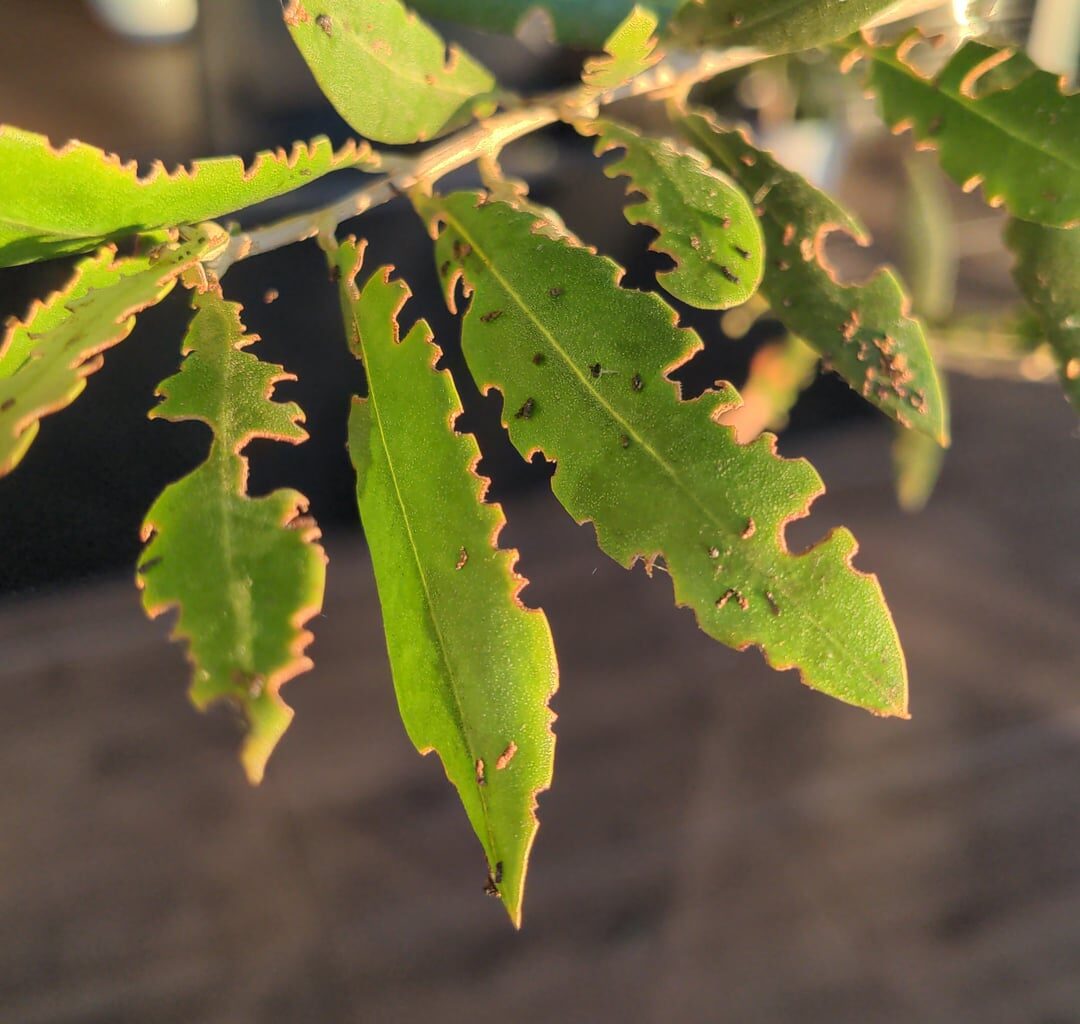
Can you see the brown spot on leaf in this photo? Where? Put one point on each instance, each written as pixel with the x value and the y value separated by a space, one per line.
pixel 481 776
pixel 506 756
pixel 326 23
pixel 146 566
pixel 624 441
pixel 636 382
pixel 528 407
pixel 538 359
pixel 462 559
pixel 595 370
pixel 728 275
pixel 773 606
pixel 492 316
pixel 749 529
pixel 555 292
pixel 8 403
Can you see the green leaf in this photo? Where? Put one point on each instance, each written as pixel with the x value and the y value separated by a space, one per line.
pixel 582 366
pixel 473 668
pixel 863 330
pixel 630 51
pixel 385 70
pixel 245 573
pixel 46 358
pixel 917 462
pixel 581 24
pixel 55 202
pixel 995 120
pixel 705 223
pixel 1047 270
pixel 775 26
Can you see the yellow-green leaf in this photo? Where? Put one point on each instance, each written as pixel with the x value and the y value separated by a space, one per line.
pixel 629 51
pixel 385 70
pixel 245 573
pixel 473 668
pixel 582 365
pixel 46 358
pixel 59 201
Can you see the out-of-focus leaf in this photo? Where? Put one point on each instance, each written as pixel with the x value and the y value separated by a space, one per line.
pixel 55 202
pixel 995 119
pixel 580 24
pixel 582 365
pixel 776 26
pixel 705 223
pixel 928 237
pixel 917 462
pixel 46 358
pixel 629 51
pixel 245 573
pixel 779 372
pixel 385 70
pixel 1047 270
pixel 864 330
pixel 473 668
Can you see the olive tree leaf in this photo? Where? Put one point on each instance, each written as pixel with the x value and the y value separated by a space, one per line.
pixel 46 358
pixel 862 330
pixel 245 573
pixel 473 668
pixel 917 463
pixel 629 51
pixel 580 24
pixel 994 118
pixel 385 70
pixel 1047 269
pixel 775 26
pixel 705 223
pixel 581 363
pixel 59 201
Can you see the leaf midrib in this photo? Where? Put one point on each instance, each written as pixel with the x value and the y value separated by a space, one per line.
pixel 665 467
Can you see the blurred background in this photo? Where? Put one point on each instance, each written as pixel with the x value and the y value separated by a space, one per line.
pixel 721 844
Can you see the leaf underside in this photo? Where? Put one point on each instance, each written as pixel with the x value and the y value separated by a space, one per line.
pixel 473 668
pixel 245 573
pixel 704 222
pixel 59 201
pixel 46 358
pixel 1047 270
pixel 775 26
pixel 386 71
pixel 862 330
pixel 994 118
pixel 629 51
pixel 582 365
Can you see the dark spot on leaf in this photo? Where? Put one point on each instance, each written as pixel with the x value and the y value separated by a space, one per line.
pixel 741 251
pixel 325 22
pixel 636 382
pixel 748 530
pixel 555 292
pixel 728 275
pixel 538 358
pixel 624 440
pixel 335 273
pixel 149 564
pixel 490 888
pixel 773 606
pixel 492 316
pixel 526 410
pixel 8 403
pixel 462 558
pixel 461 249
pixel 444 269
pixel 934 126
pixel 497 877
pixel 595 369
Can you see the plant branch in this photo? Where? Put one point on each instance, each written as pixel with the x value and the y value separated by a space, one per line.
pixel 484 140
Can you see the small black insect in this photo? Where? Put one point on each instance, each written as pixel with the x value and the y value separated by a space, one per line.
pixel 526 410
pixel 636 382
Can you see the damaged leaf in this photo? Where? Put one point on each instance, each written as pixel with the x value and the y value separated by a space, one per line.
pixel 46 358
pixel 775 26
pixel 245 573
pixel 862 330
pixel 55 202
pixel 629 51
pixel 386 71
pixel 582 365
pixel 1047 269
pixel 473 668
pixel 705 223
pixel 995 119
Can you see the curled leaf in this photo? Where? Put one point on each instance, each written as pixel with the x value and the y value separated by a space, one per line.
pixel 629 51
pixel 59 201
pixel 705 223
pixel 582 365
pixel 864 330
pixel 46 358
pixel 245 573
pixel 473 668
pixel 386 71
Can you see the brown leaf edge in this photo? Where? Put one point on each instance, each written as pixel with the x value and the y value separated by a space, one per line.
pixel 727 400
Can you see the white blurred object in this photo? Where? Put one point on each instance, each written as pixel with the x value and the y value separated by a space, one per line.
pixel 1054 42
pixel 148 19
